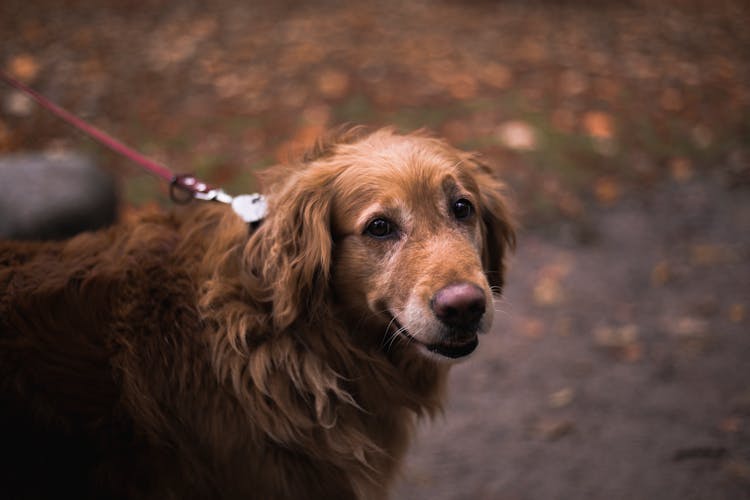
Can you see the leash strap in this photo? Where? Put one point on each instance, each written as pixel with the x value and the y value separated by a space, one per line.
pixel 182 188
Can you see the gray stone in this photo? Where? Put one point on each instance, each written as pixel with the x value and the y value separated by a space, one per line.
pixel 53 196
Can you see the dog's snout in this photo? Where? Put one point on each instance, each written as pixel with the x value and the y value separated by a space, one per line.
pixel 459 306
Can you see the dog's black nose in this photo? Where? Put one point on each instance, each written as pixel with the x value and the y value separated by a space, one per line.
pixel 459 306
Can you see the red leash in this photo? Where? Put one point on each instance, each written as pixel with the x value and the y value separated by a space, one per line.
pixel 252 208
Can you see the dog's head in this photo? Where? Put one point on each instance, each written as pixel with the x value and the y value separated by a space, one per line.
pixel 404 236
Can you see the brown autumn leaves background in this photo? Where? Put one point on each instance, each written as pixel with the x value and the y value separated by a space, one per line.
pixel 618 126
pixel 574 101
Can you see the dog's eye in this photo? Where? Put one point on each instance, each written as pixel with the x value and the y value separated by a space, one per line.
pixel 462 208
pixel 380 228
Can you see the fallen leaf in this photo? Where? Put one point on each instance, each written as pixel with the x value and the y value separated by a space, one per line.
pixel 176 49
pixel 706 307
pixel 517 135
pixel 688 327
pixel 548 291
pixel 573 83
pixel 570 204
pixel 561 398
pixel 671 99
pixel 333 83
pixel 23 67
pixel 32 31
pixel 741 403
pixel 229 85
pixel 4 136
pixel 738 468
pixel 462 86
pixel 606 89
pixel 632 353
pixel 532 328
pixel 564 120
pixel 456 131
pixel 702 136
pixel 605 146
pixel 564 327
pixel 18 104
pixel 598 124
pixel 606 190
pixel 293 95
pixel 641 67
pixel 552 429
pixel 711 254
pixel 532 51
pixel 203 27
pixel 319 114
pixel 495 75
pixel 730 425
pixel 681 169
pixel 622 342
pixel 737 313
pixel 661 273
pixel 607 336
pixel 302 141
pixel 692 333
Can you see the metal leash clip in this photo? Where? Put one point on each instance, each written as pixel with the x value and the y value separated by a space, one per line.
pixel 251 208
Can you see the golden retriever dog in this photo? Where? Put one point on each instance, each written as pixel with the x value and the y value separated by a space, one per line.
pixel 189 356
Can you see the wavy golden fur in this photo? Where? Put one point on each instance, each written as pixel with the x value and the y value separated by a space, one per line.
pixel 183 356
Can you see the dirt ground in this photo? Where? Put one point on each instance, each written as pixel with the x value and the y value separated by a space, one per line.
pixel 619 366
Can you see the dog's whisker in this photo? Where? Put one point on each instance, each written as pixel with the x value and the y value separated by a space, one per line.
pixel 398 336
pixel 503 307
pixel 390 337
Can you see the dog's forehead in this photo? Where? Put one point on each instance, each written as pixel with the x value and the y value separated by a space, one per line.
pixel 395 177
pixel 395 166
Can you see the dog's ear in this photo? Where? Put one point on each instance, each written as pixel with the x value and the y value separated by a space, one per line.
pixel 290 254
pixel 498 222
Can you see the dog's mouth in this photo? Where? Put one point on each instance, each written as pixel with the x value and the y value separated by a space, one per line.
pixel 458 347
pixel 454 350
